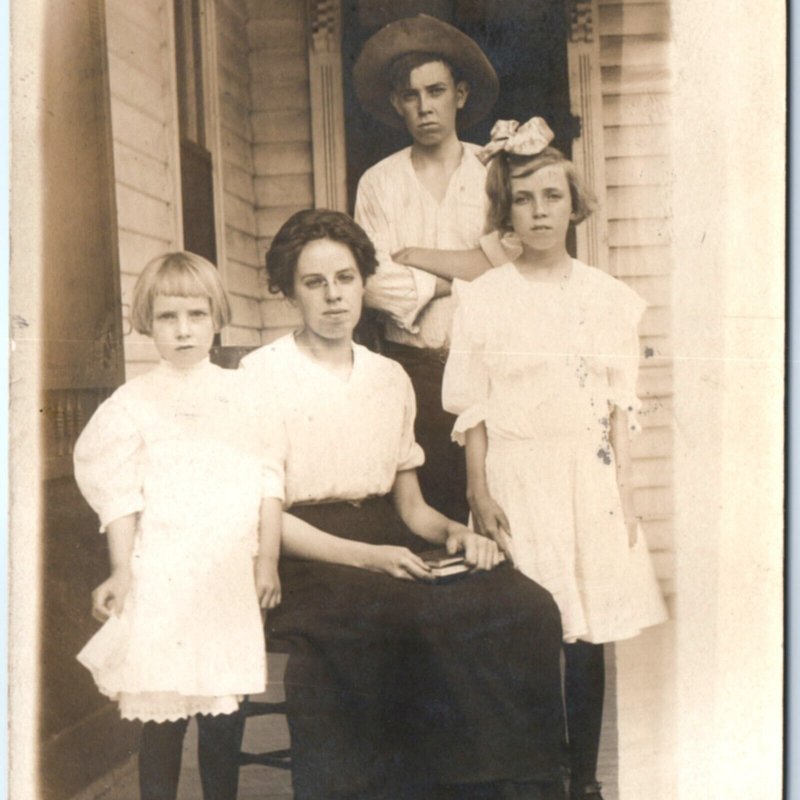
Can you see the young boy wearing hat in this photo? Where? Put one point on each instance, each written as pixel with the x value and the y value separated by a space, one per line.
pixel 427 76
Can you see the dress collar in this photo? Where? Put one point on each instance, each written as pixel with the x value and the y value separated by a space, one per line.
pixel 168 368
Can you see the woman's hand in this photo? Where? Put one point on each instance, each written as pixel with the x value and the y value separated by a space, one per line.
pixel 109 597
pixel 399 562
pixel 480 552
pixel 268 584
pixel 490 520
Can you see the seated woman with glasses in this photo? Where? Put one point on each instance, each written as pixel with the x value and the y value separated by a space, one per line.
pixel 398 686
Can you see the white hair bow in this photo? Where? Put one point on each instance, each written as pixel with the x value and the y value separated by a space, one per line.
pixel 522 140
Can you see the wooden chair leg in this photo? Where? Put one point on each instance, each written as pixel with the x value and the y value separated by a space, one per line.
pixel 280 759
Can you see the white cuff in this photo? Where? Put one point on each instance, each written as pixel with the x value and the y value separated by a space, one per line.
pixel 499 249
pixel 121 507
pixel 466 421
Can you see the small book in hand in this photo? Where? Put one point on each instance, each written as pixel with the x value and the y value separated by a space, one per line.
pixel 444 566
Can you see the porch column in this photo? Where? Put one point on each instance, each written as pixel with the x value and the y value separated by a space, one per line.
pixel 327 103
pixel 586 102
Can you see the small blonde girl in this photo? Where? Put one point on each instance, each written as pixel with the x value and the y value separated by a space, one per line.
pixel 190 497
pixel 542 375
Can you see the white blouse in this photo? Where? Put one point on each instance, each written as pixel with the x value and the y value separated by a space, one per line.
pixel 347 439
pixel 536 360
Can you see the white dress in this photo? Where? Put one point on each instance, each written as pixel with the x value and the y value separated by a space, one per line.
pixel 184 451
pixel 543 364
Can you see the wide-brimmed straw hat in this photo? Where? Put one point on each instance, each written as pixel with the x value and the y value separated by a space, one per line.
pixel 423 34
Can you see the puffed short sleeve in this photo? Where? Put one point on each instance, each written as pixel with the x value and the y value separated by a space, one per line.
pixel 465 387
pixel 410 455
pixel 273 444
pixel 256 387
pixel 109 463
pixel 623 370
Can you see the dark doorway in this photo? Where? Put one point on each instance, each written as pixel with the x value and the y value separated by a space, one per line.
pixel 526 41
pixel 196 164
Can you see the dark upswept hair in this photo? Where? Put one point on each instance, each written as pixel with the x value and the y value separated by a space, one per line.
pixel 401 68
pixel 308 226
pixel 504 166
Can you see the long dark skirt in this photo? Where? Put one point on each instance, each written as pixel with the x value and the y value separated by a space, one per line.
pixel 393 686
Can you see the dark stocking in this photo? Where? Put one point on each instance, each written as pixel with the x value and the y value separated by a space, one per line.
pixel 584 684
pixel 218 746
pixel 160 753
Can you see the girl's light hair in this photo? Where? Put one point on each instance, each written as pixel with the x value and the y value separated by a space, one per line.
pixel 505 166
pixel 180 274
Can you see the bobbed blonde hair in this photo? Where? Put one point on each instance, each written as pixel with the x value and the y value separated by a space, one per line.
pixel 180 274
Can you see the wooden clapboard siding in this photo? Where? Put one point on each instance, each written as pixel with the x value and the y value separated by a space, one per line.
pixel 242 259
pixel 273 191
pixel 279 69
pixel 241 246
pixel 144 214
pixel 143 171
pixel 635 81
pixel 239 214
pixel 639 261
pixel 649 140
pixel 230 84
pixel 284 158
pixel 137 128
pixel 146 166
pixel 238 182
pixel 281 123
pixel 237 148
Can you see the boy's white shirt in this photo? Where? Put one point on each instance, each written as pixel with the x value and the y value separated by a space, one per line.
pixel 397 211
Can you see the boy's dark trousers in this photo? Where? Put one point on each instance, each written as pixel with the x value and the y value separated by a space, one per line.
pixel 219 743
pixel 443 476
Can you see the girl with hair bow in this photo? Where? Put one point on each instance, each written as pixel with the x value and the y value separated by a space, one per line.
pixel 542 375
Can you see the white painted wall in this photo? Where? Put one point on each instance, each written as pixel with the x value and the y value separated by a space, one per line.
pixel 728 145
pixel 281 119
pixel 144 125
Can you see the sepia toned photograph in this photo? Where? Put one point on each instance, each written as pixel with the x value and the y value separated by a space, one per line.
pixel 397 396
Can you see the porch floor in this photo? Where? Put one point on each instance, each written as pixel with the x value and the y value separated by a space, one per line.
pixel 271 733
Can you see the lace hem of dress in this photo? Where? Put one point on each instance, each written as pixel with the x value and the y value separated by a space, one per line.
pixel 171 706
